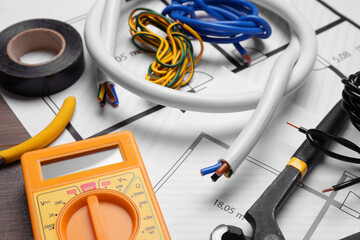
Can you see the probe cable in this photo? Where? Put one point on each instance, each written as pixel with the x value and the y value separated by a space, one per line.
pixel 351 98
pixel 342 185
pixel 229 21
pixel 285 77
pixel 317 138
pixel 351 105
pixel 173 58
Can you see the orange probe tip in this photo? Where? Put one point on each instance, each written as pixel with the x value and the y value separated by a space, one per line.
pixel 328 190
pixel 293 125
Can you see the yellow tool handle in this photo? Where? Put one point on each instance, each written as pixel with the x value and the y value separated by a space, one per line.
pixel 46 136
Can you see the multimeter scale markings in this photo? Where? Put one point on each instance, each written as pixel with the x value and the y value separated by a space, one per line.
pixel 120 184
pixel 49 205
pixel 50 202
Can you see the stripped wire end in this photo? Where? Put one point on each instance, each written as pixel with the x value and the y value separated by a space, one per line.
pixel 328 190
pixel 248 58
pixel 293 125
pixel 343 185
pixel 179 22
pixel 301 129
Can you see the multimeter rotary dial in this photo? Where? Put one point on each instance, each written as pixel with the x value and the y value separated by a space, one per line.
pixel 98 214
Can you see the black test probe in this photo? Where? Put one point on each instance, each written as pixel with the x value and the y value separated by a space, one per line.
pixel 261 214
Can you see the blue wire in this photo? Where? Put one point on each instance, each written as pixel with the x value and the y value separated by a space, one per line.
pixel 232 21
pixel 210 169
pixel 115 95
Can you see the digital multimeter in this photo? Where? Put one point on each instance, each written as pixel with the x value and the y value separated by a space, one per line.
pixel 92 189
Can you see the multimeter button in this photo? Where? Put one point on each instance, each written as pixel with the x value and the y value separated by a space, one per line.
pixel 88 186
pixel 98 214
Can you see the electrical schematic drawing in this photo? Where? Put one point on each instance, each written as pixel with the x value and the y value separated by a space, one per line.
pixel 233 201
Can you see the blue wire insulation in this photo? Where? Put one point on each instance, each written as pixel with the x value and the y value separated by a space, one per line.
pixel 115 95
pixel 210 169
pixel 231 21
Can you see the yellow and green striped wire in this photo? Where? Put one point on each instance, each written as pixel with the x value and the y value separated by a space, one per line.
pixel 173 56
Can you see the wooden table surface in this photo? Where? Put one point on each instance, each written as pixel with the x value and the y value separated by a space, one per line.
pixel 14 213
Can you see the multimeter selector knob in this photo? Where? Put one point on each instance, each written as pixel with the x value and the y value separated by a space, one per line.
pixel 98 214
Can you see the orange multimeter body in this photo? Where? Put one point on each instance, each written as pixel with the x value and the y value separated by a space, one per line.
pixel 90 202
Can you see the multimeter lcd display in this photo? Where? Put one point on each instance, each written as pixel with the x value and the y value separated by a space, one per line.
pixel 78 163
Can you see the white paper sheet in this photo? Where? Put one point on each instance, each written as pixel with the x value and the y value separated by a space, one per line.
pixel 175 144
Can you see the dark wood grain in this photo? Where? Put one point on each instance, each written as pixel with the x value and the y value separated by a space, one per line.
pixel 14 213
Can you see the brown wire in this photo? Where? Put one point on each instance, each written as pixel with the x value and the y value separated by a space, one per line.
pixel 109 92
pixel 222 169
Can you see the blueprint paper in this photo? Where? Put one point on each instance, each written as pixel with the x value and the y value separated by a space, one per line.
pixel 176 144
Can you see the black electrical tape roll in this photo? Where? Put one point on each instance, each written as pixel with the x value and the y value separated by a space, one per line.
pixel 44 78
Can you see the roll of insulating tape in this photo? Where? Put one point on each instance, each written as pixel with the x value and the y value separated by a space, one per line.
pixel 45 78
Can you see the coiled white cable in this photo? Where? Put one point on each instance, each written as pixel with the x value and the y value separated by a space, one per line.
pixel 109 25
pixel 285 77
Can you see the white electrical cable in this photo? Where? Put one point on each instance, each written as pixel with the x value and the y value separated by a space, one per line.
pixel 276 85
pixel 266 108
pixel 283 70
